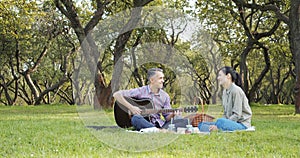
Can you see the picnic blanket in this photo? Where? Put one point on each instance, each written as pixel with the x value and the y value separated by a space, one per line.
pixel 182 130
pixel 250 129
pixel 157 130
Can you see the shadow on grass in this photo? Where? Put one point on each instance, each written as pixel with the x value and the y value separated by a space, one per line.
pixel 102 127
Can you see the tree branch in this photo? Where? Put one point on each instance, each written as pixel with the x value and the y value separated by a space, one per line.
pixel 267 7
pixel 97 16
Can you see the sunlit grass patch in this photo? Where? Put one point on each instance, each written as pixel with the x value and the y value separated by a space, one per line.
pixel 62 131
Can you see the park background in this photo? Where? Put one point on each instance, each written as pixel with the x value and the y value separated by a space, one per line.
pixel 43 44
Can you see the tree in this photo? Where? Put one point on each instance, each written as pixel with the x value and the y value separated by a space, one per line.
pixel 259 22
pixel 34 70
pixel 292 20
pixel 255 31
pixel 294 25
pixel 103 97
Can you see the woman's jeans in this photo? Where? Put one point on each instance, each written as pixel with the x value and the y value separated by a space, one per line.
pixel 222 124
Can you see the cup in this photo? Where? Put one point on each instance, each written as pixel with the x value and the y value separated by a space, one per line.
pixel 172 127
pixel 189 129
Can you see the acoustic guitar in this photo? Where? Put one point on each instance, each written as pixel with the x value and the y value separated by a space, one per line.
pixel 123 116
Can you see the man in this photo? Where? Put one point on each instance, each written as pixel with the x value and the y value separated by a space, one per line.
pixel 160 98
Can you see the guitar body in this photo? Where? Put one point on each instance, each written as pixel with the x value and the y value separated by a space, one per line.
pixel 122 113
pixel 123 116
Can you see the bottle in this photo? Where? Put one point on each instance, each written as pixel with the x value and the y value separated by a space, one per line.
pixel 172 127
pixel 189 129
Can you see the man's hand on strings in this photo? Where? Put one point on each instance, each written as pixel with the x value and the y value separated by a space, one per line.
pixel 135 110
pixel 177 113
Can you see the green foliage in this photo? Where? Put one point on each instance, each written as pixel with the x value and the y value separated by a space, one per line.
pixel 30 28
pixel 27 27
pixel 58 131
pixel 224 23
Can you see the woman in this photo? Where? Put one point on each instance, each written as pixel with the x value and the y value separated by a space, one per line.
pixel 237 112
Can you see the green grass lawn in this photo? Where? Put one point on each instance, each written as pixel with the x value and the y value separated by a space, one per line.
pixel 60 131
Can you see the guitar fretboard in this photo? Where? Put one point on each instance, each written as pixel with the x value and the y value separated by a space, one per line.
pixel 153 111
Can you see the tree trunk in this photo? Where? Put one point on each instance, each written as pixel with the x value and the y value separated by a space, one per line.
pixel 243 67
pixel 104 92
pixel 4 87
pixel 32 87
pixel 103 97
pixel 257 82
pixel 119 48
pixel 294 34
pixel 297 95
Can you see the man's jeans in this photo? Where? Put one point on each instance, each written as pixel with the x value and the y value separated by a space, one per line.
pixel 139 122
pixel 222 124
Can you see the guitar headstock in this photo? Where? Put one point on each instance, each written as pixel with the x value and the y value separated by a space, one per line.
pixel 190 109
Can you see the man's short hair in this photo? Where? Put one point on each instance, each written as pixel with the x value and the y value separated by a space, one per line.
pixel 151 72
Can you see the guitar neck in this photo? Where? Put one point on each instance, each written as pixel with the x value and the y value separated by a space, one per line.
pixel 154 111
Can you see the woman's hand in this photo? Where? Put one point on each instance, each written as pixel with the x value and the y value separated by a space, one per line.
pixel 213 128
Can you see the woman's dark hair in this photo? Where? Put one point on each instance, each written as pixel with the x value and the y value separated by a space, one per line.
pixel 236 78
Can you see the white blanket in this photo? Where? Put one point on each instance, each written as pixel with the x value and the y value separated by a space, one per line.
pixel 182 130
pixel 250 129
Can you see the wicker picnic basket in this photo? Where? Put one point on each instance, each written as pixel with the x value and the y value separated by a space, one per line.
pixel 200 117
